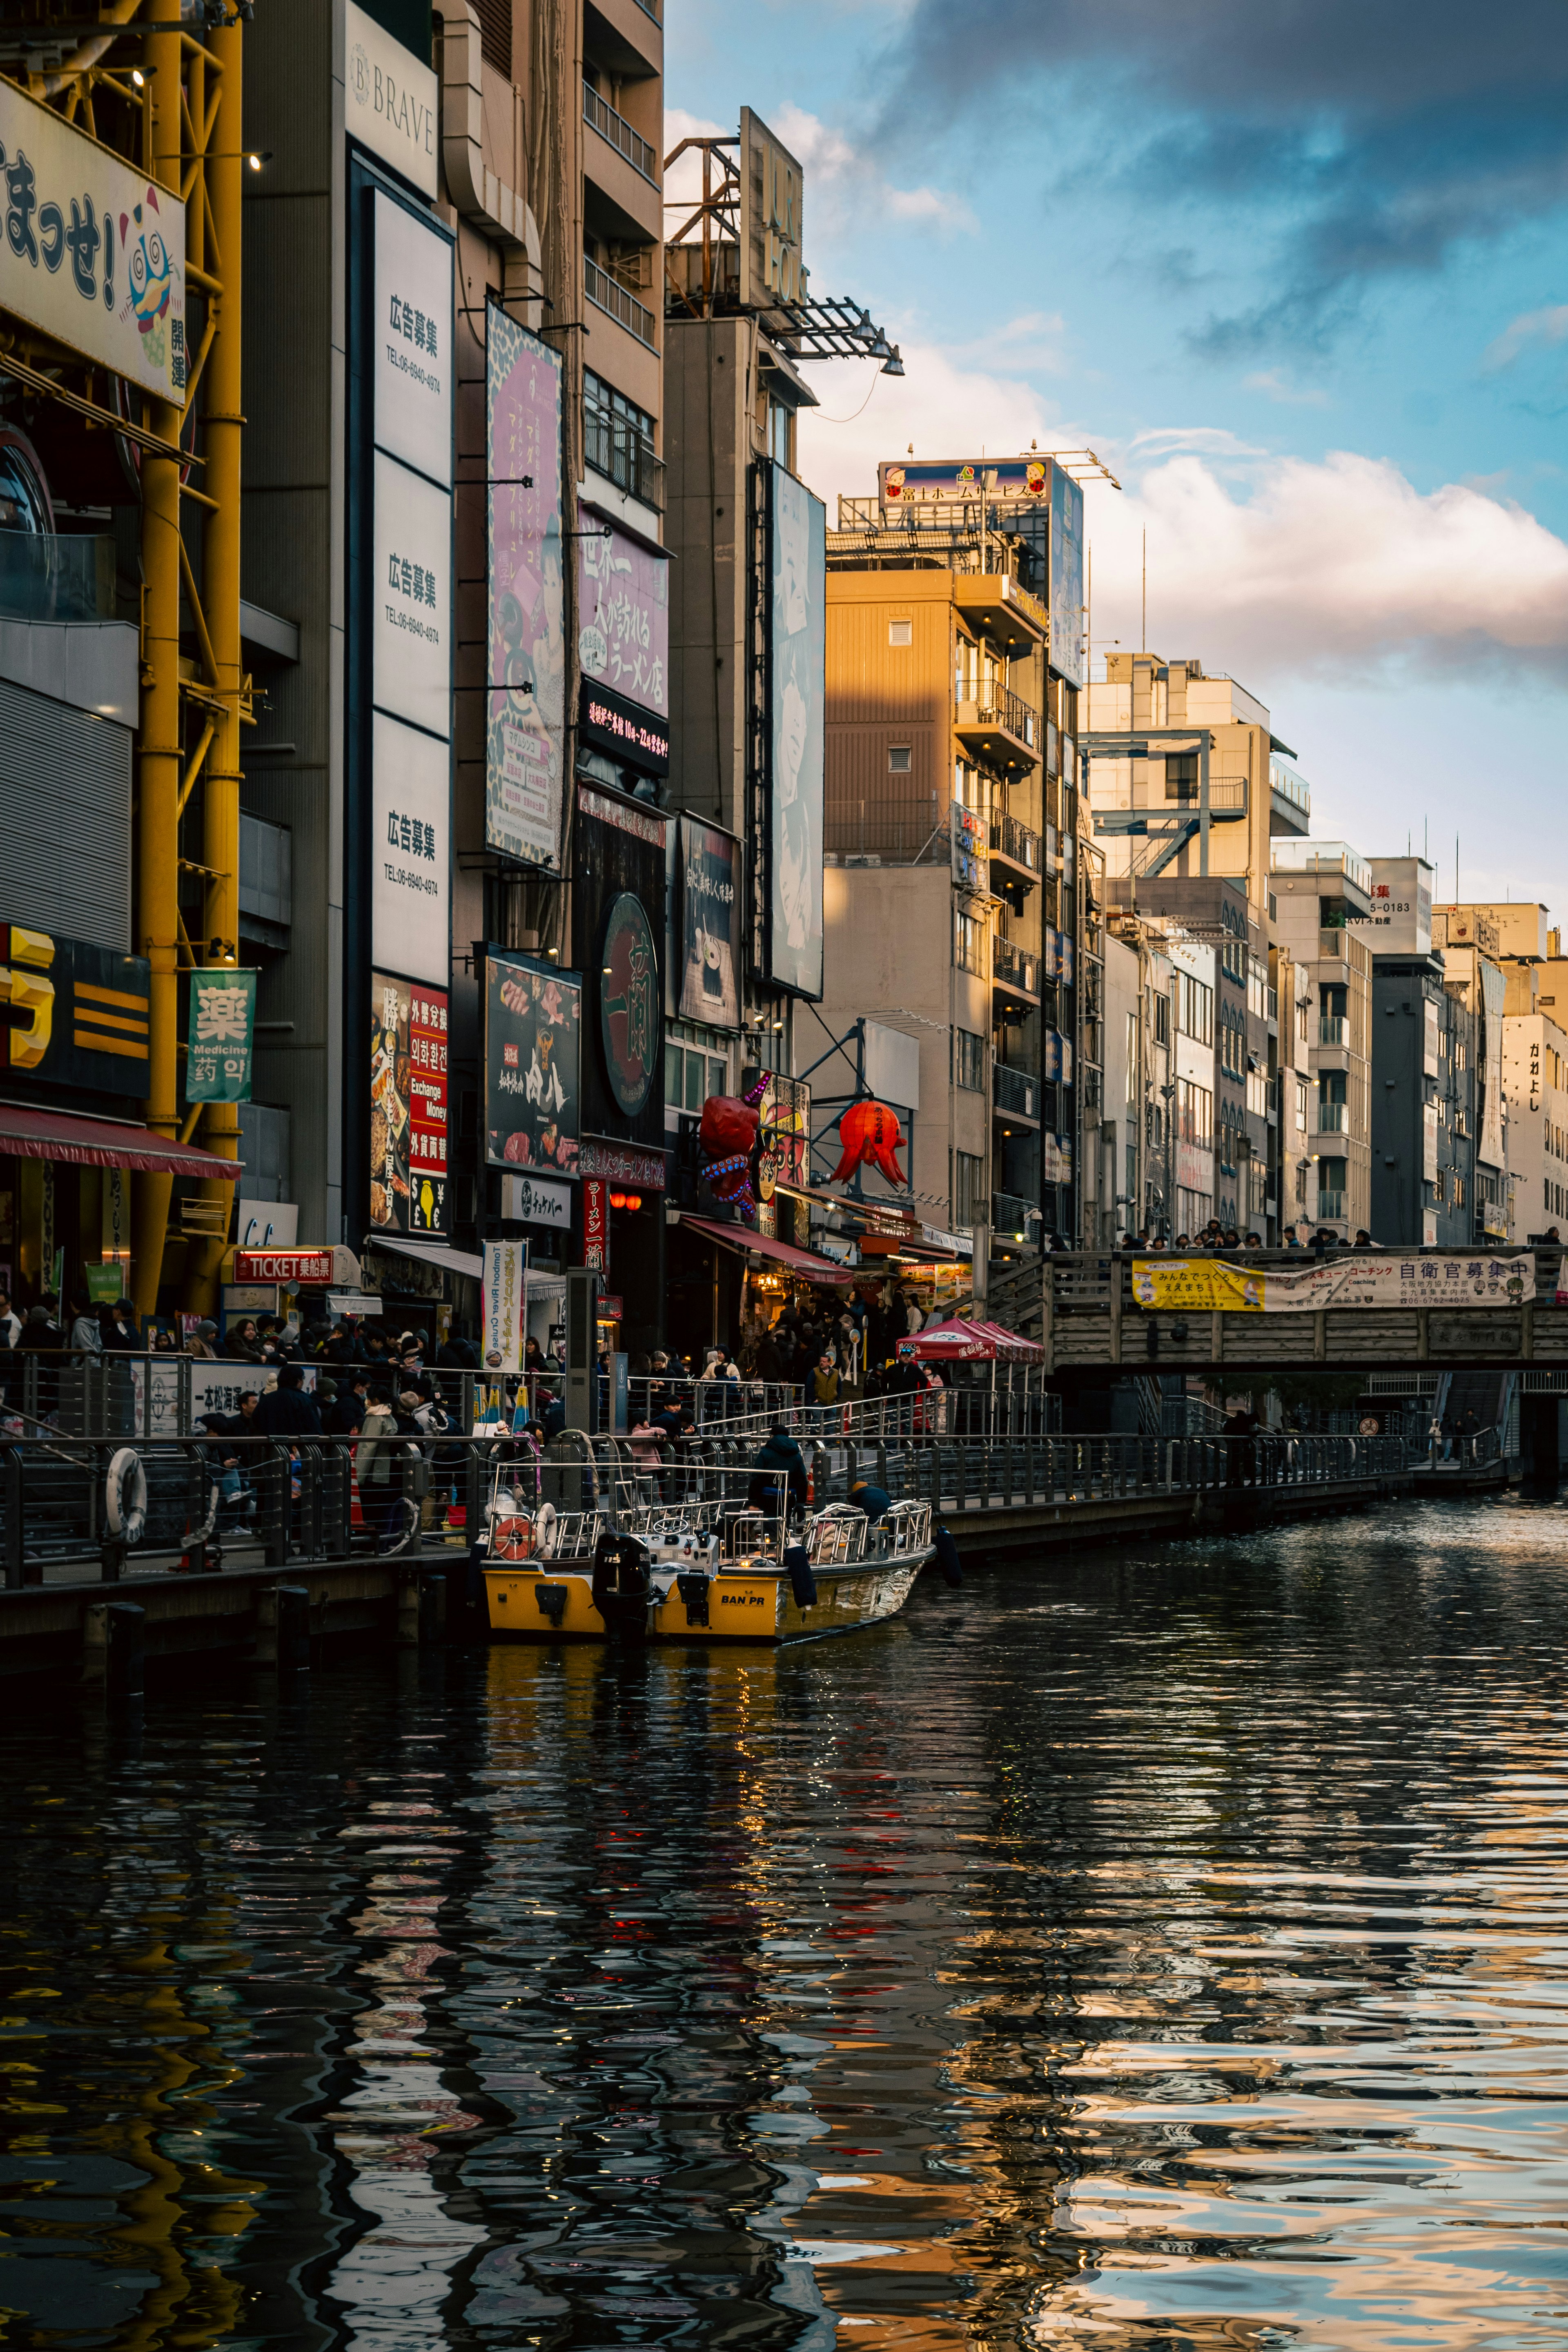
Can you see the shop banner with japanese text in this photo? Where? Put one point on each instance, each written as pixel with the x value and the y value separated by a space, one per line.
pixel 222 1032
pixel 504 1290
pixel 1389 1278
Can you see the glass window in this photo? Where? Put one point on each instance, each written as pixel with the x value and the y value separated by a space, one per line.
pixel 968 1189
pixel 969 1060
pixel 718 1077
pixel 694 1081
pixel 673 1079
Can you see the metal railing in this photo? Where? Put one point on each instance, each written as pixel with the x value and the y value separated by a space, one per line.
pixel 998 705
pixel 607 294
pixel 264 1502
pixel 1010 837
pixel 1017 1092
pixel 1333 1029
pixel 1018 966
pixel 1332 1117
pixel 1010 1214
pixel 614 447
pixel 614 128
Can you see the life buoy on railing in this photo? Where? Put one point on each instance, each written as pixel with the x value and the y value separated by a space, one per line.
pixel 125 1496
pixel 513 1537
pixel 544 1530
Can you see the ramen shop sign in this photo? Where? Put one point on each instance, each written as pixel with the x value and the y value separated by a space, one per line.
pixel 628 1004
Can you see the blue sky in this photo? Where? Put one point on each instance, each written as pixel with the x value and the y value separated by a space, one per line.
pixel 1298 274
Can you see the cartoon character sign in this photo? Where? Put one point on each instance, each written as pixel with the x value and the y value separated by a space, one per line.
pixel 871 1135
pixel 151 280
pixel 728 1139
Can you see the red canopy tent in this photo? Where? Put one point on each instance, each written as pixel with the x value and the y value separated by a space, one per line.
pixel 962 1341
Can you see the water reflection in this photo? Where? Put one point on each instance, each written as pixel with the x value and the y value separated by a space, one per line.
pixel 1139 1952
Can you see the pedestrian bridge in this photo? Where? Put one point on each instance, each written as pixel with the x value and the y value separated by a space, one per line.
pixel 1251 1313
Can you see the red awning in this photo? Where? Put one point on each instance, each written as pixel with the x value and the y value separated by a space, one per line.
pixel 804 1263
pixel 962 1341
pixel 30 1133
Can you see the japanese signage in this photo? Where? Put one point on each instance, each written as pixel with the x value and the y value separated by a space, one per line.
pixel 597 1224
pixel 503 1288
pixel 621 1164
pixel 74 1015
pixel 1348 1278
pixel 1494 997
pixel 797 621
pixel 710 924
pixel 773 197
pixel 409 1186
pixel 526 704
pixel 784 1138
pixel 220 1037
pixel 413 321
pixel 536 1200
pixel 313 1267
pixel 622 729
pixel 533 1026
pixel 91 252
pixel 410 581
pixel 950 480
pixel 389 99
pixel 410 838
pixel 971 848
pixel 1400 922
pixel 630 1024
pixel 623 613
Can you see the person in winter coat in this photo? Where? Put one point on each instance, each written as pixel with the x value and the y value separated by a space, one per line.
pixel 345 1410
pixel 203 1343
pixel 10 1321
pixel 779 1476
pixel 242 1346
pixel 40 1333
pixel 825 1382
pixel 118 1325
pixel 285 1411
pixel 86 1332
pixel 376 1467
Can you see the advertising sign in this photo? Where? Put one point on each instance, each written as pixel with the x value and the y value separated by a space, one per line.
pixel 622 1163
pixel 710 924
pixel 408 1187
pixel 622 728
pixel 413 330
pixel 1066 576
pixel 220 1035
pixel 503 1288
pixel 313 1267
pixel 78 1013
pixel 411 830
pixel 773 196
pixel 597 1224
pixel 1346 1279
pixel 526 705
pixel 948 481
pixel 92 253
pixel 623 613
pixel 798 614
pixel 412 581
pixel 1400 922
pixel 389 99
pixel 533 1030
pixel 630 1023
pixel 971 848
pixel 536 1200
pixel 1494 996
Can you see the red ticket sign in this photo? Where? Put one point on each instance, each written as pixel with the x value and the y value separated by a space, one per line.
pixel 306 1265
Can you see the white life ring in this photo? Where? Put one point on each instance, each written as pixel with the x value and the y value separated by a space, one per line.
pixel 544 1530
pixel 125 1496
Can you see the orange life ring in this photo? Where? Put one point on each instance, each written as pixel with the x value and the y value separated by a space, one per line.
pixel 513 1538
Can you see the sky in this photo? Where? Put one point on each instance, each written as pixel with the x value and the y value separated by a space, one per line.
pixel 1298 274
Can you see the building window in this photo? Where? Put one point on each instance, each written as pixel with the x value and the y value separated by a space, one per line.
pixel 968 1189
pixel 618 441
pixel 690 1077
pixel 1195 1113
pixel 778 431
pixel 1256 1189
pixel 1194 1008
pixel 1232 1044
pixel 1258 1094
pixel 1162 1020
pixel 1302 1105
pixel 969 1060
pixel 900 633
pixel 1332 1191
pixel 1301 1180
pixel 1458 1190
pixel 968 941
pixel 900 756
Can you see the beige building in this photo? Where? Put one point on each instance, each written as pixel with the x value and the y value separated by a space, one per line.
pixel 1535 1087
pixel 1323 893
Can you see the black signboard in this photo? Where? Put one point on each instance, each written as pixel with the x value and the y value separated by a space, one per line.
pixel 533 1026
pixel 619 851
pixel 72 1015
pixel 610 723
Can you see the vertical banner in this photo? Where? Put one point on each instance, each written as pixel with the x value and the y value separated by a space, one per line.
pixel 797 640
pixel 220 1035
pixel 504 1286
pixel 710 863
pixel 525 704
pixel 409 1192
pixel 597 1224
pixel 533 1037
pixel 1067 577
pixel 623 613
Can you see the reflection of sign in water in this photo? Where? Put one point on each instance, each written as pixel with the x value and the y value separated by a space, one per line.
pixel 796 617
pixel 1393 1280
pixel 628 1004
pixel 526 706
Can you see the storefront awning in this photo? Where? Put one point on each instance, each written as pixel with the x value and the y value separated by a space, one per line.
pixel 960 1340
pixel 31 1133
pixel 432 1253
pixel 804 1264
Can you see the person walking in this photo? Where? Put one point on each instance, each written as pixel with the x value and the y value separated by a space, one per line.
pixel 86 1332
pixel 375 1466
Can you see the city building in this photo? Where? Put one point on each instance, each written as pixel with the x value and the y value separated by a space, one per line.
pixel 1467 939
pixel 1424 1071
pixel 1322 894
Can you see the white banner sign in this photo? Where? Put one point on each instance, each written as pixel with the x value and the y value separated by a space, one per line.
pixel 389 99
pixel 411 587
pixel 535 1200
pixel 411 802
pixel 413 360
pixel 91 252
pixel 503 1291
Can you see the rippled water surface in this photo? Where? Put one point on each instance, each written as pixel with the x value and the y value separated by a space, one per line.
pixel 1158 1949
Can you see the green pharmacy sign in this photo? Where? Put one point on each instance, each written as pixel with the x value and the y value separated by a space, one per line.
pixel 220 1042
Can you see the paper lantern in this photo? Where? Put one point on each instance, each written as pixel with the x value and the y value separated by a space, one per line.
pixel 870 1134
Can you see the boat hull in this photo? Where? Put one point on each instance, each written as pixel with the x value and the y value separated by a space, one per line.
pixel 538 1602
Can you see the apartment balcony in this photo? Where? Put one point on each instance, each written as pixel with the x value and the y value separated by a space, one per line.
pixel 1012 619
pixel 1013 1218
pixel 613 446
pixel 1334 1119
pixel 602 117
pixel 1002 729
pixel 1014 971
pixel 1333 1029
pixel 1331 1208
pixel 1017 851
pixel 607 294
pixel 1014 1096
pixel 1227 795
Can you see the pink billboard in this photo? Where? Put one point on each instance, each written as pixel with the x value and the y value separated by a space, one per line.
pixel 525 709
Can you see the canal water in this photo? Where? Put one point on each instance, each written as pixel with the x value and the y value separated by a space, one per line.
pixel 1157 1949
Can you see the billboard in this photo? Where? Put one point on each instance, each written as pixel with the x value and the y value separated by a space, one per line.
pixel 796 628
pixel 623 613
pixel 773 197
pixel 411 635
pixel 525 704
pixel 413 317
pixel 1400 922
pixel 710 870
pixel 79 1013
pixel 408 1188
pixel 533 1044
pixel 504 1292
pixel 950 481
pixel 93 253
pixel 1066 576
pixel 410 831
pixel 220 1034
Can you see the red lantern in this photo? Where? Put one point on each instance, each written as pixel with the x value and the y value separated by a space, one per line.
pixel 617 1199
pixel 871 1135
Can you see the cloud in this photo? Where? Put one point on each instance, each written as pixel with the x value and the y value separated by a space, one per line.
pixel 1532 327
pixel 1337 570
pixel 1377 140
pixel 945 409
pixel 1273 386
pixel 1201 440
pixel 845 186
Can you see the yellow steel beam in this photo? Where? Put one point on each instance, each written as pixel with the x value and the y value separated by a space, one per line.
pixel 158 824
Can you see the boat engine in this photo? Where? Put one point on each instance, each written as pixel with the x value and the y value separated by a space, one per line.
pixel 621 1586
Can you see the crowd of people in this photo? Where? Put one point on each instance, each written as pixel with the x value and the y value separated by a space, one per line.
pixel 1216 1238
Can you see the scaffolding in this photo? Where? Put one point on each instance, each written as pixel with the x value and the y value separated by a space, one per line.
pixel 160 82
